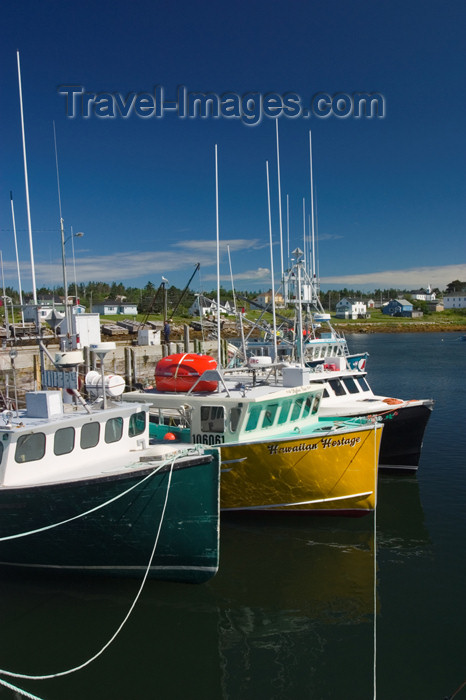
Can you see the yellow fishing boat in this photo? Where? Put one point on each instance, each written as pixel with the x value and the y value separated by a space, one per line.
pixel 331 472
pixel 277 453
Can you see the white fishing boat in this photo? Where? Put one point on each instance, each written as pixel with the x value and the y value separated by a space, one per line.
pixel 84 488
pixel 341 375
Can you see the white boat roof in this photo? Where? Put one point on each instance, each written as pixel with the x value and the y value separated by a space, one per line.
pixel 234 387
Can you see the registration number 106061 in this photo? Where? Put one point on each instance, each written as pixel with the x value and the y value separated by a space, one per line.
pixel 208 439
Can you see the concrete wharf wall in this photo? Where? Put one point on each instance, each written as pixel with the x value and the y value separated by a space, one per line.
pixel 136 363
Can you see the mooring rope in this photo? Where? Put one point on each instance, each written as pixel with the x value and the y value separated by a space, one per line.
pixel 10 686
pixel 375 563
pixel 125 619
pixel 450 697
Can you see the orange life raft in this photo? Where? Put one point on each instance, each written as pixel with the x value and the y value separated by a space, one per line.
pixel 181 371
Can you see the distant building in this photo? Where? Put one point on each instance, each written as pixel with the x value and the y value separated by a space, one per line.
pixel 350 308
pixel 266 298
pixel 398 307
pixel 202 306
pixel 112 307
pixel 455 300
pixel 423 294
pixel 436 305
pixel 46 305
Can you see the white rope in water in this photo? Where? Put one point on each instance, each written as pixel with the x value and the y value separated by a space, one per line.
pixel 125 619
pixel 375 562
pixel 91 510
pixel 10 686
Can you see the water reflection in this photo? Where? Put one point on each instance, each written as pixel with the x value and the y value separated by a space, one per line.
pixel 287 593
pixel 401 529
pixel 289 614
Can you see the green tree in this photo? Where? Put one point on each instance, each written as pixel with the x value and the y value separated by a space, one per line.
pixel 455 286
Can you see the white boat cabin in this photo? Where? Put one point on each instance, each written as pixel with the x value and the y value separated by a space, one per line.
pixel 241 413
pixel 52 441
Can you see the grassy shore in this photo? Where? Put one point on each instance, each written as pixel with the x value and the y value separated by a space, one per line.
pixel 380 327
pixel 441 322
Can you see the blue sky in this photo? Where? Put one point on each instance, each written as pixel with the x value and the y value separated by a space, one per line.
pixel 389 192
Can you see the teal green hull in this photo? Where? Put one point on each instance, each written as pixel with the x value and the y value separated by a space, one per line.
pixel 119 538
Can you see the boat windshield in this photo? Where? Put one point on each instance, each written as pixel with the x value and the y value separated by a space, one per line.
pixel 351 385
pixel 284 411
pixel 137 424
pixel 113 430
pixel 253 418
pixel 269 415
pixel 235 415
pixel 337 387
pixel 363 384
pixel 212 419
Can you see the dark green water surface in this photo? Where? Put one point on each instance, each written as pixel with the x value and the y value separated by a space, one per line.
pixel 291 612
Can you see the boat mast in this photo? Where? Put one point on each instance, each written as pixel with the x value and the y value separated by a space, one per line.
pixel 288 229
pixel 313 266
pixel 279 202
pixel 26 182
pixel 219 357
pixel 304 232
pixel 63 258
pixel 271 267
pixel 300 309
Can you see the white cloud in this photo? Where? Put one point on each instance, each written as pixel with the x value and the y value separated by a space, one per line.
pixel 252 276
pixel 410 278
pixel 117 267
pixel 211 244
pixel 328 237
pixel 180 257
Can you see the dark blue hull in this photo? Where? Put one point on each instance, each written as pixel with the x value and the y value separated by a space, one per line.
pixel 118 539
pixel 402 436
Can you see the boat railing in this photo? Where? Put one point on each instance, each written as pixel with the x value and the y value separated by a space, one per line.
pixel 210 375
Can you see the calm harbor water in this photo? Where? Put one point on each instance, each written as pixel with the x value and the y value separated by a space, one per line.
pixel 291 612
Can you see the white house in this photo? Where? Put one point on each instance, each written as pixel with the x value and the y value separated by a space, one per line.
pixel 350 308
pixel 112 307
pixel 45 306
pixel 455 300
pixel 208 307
